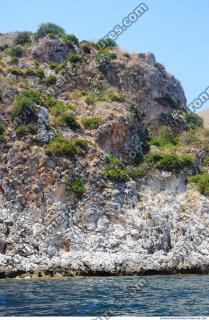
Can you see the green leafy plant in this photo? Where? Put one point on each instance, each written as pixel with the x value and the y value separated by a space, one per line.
pixel 92 123
pixel 16 72
pixel 68 119
pixel 117 171
pixel 75 58
pixel 168 161
pixel 78 187
pixel 62 146
pixel 114 96
pixel 24 109
pixel 193 121
pixel 57 67
pixel 90 100
pixel 165 138
pixel 202 182
pixel 50 81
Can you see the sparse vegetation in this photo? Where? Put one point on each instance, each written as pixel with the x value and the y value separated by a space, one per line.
pixel 165 138
pixel 171 101
pixel 90 100
pixel 114 96
pixel 25 130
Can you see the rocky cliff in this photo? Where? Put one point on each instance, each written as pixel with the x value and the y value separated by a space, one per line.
pixel 85 188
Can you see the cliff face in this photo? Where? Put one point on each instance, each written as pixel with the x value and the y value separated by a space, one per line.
pixel 66 205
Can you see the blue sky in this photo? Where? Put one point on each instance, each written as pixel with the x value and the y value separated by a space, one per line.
pixel 176 31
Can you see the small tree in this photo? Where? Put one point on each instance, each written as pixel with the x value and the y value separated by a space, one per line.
pixel 49 28
pixel 106 43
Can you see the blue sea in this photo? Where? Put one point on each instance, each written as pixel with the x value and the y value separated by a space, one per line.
pixel 173 295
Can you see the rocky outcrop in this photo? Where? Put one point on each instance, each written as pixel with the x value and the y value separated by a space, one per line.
pixel 156 232
pixel 7 39
pixel 66 209
pixel 51 50
pixel 7 92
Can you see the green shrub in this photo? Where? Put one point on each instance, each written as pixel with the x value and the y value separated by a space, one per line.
pixel 23 38
pixel 102 61
pixel 206 162
pixel 70 38
pixel 165 138
pixel 168 161
pixel 17 51
pixel 136 172
pixel 90 100
pixel 193 121
pixel 106 43
pixel 34 95
pixel 24 109
pixel 2 129
pixel 116 174
pixel 56 108
pixel 25 130
pixel 78 187
pixel 92 123
pixel 57 67
pixel 30 73
pixel 69 120
pixel 39 73
pixel 16 72
pixel 62 146
pixel 202 182
pixel 114 96
pixel 49 28
pixel 50 81
pixel 117 171
pixel 75 58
